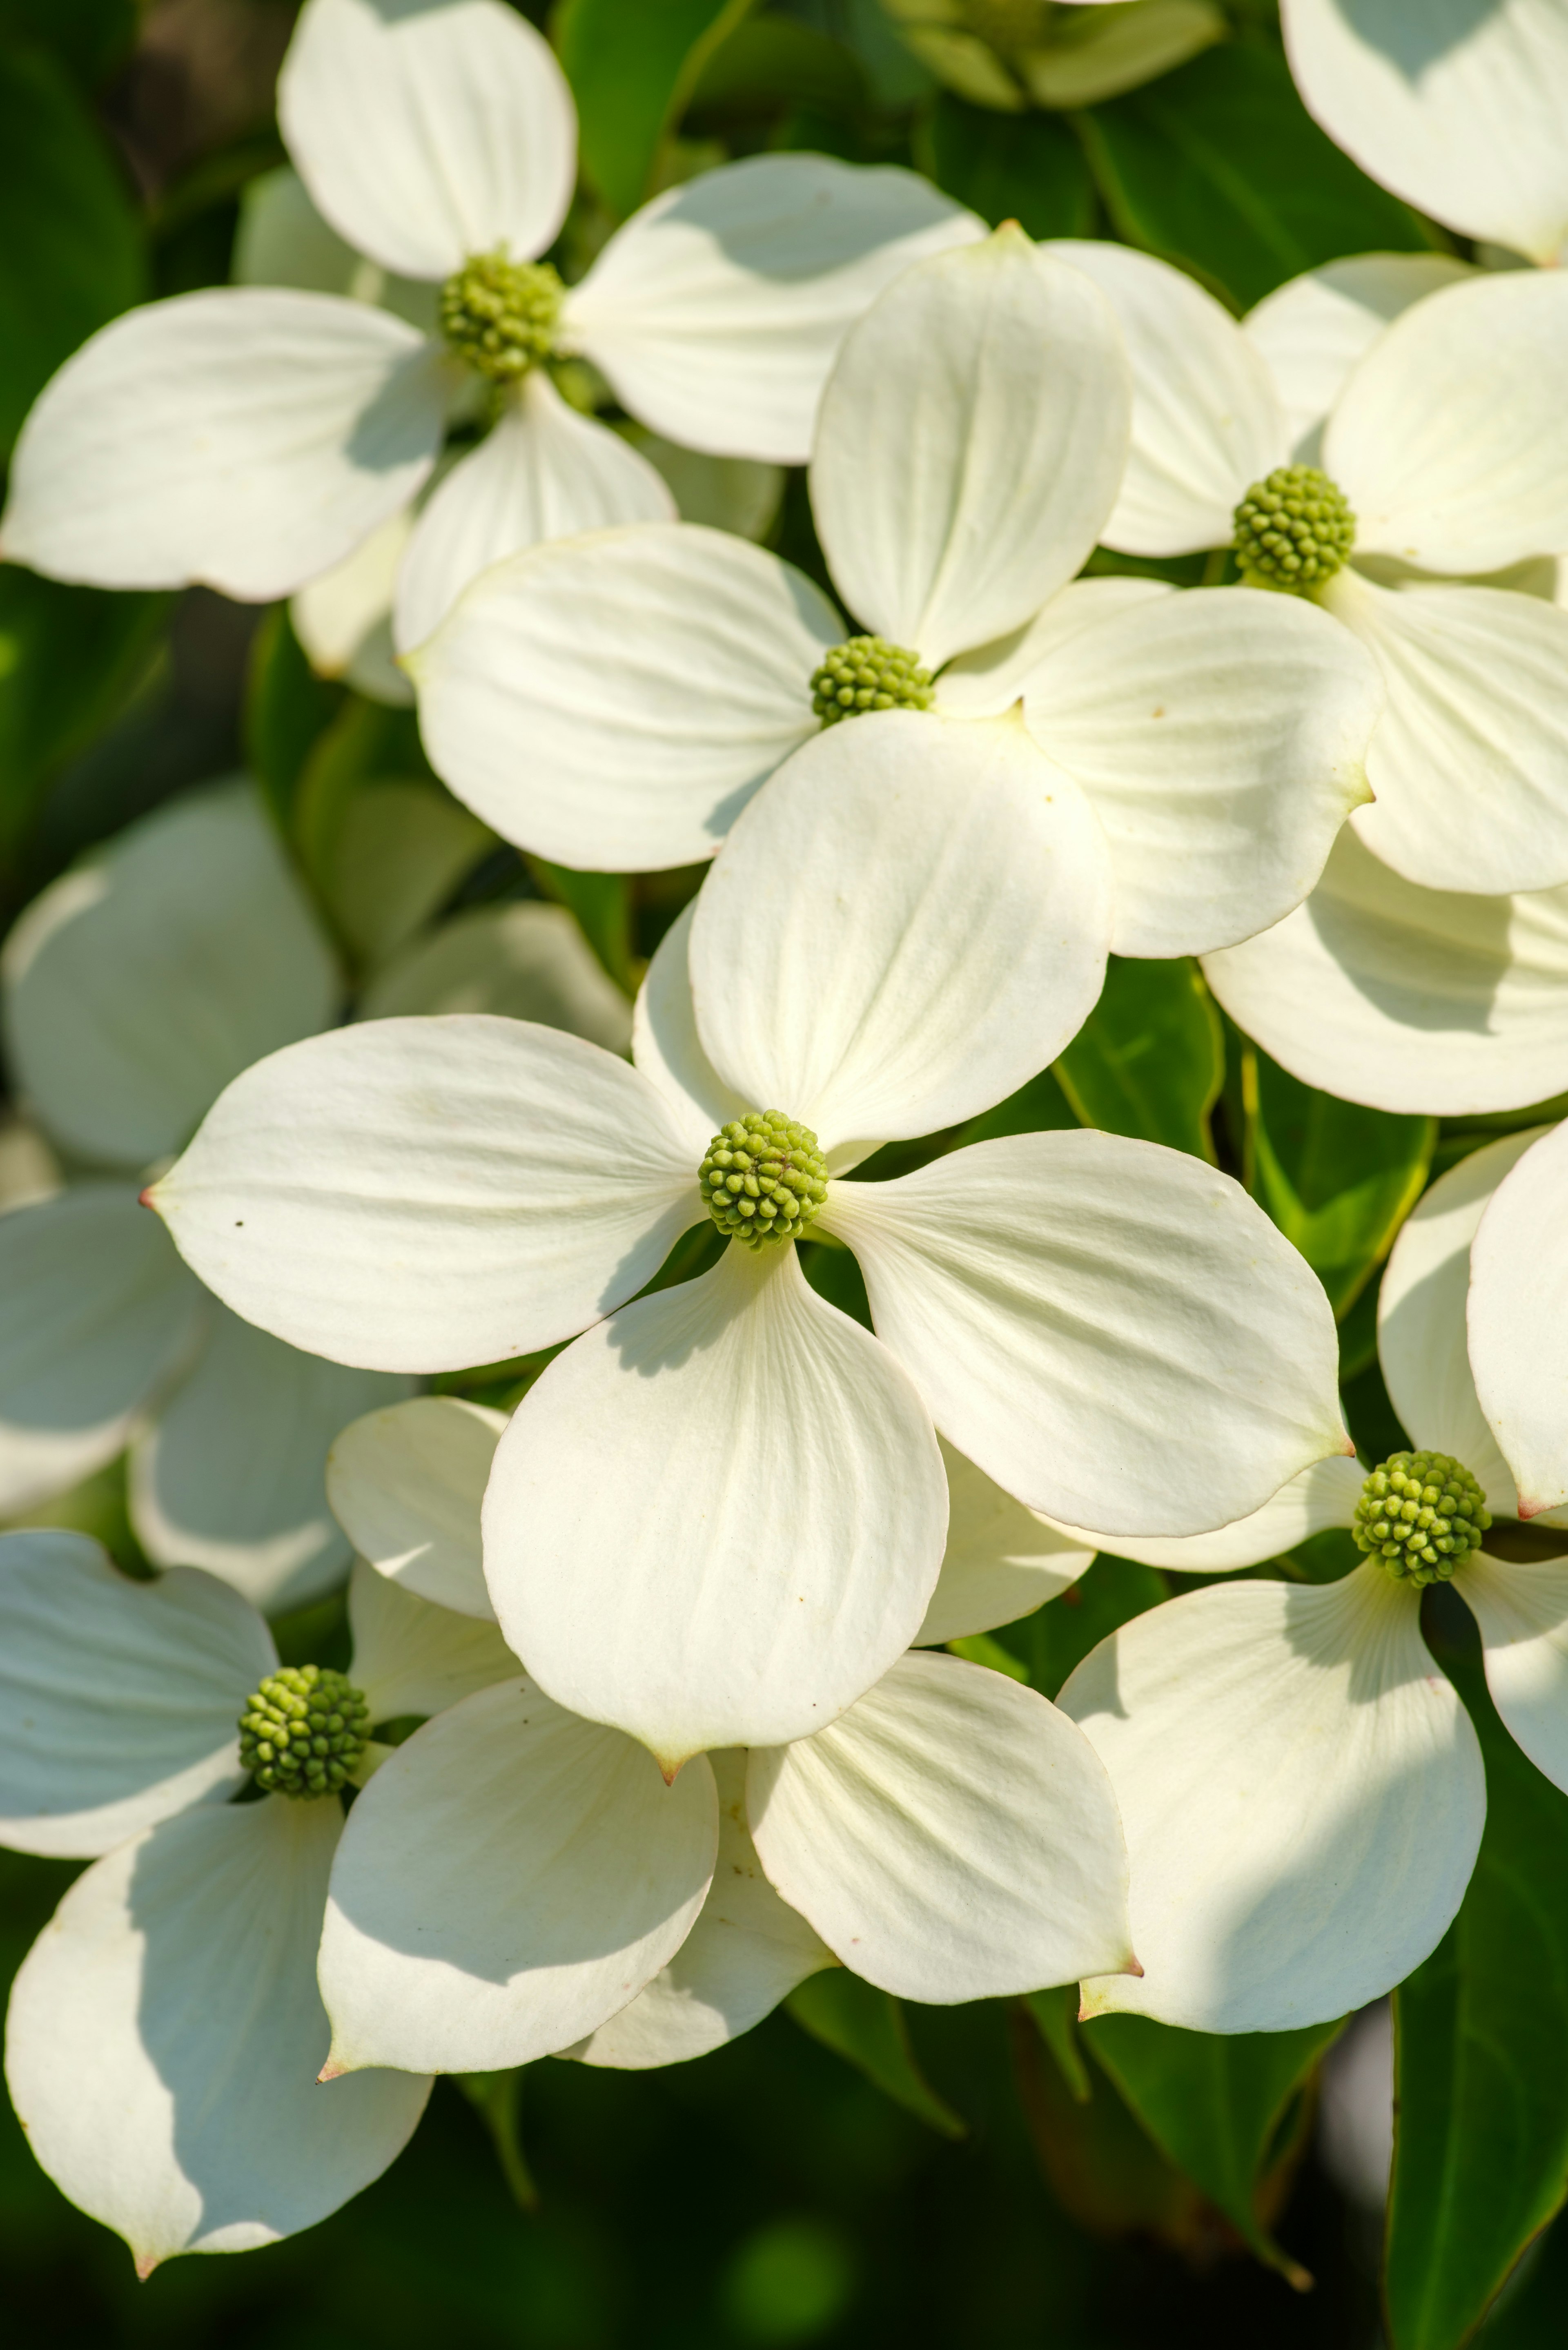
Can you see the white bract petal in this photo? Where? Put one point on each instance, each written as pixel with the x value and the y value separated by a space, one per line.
pixel 140 982
pixel 165 2032
pixel 667 1048
pixel 1523 1611
pixel 1302 1795
pixel 282 240
pixel 1450 440
pixel 1112 1331
pixel 545 472
pixel 406 1484
pixel 970 445
pixel 1421 1318
pixel 989 679
pixel 1314 1500
pixel 242 438
pixel 1469 761
pixel 950 1837
pixel 509 1879
pixel 1408 999
pixel 1314 329
pixel 412 1658
pixel 1001 1560
pixel 613 702
pixel 1519 1281
pixel 717 311
pixel 747 1950
pixel 343 619
pixel 1221 740
pixel 910 921
pixel 230 1476
pixel 120 1701
pixel 761 1541
pixel 430 133
pixel 425 1194
pixel 100 1316
pixel 522 960
pixel 1459 111
pixel 1206 420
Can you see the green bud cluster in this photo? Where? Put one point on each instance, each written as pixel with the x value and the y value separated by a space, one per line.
pixel 500 315
pixel 764 1178
pixel 303 1730
pixel 1420 1515
pixel 1295 529
pixel 868 674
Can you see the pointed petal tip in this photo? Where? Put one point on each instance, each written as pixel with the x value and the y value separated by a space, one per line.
pixel 148 1199
pixel 1531 1506
pixel 334 2069
pixel 145 2264
pixel 1130 1966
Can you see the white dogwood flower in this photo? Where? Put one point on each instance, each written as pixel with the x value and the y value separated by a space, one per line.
pixel 948 1838
pixel 1519 1270
pixel 615 699
pixel 165 2032
pixel 252 438
pixel 1302 1789
pixel 1458 110
pixel 1444 456
pixel 134 988
pixel 719 1516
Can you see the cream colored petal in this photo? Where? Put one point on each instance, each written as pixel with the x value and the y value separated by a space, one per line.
pixel 1001 1560
pixel 406 1484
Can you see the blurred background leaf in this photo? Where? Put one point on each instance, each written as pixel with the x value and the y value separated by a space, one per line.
pixel 633 66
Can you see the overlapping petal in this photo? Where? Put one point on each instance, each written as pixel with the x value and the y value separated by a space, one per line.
pixel 410 1657
pixel 165 2032
pixel 281 239
pixel 668 1050
pixel 1312 330
pixel 242 438
pixel 1519 1283
pixel 544 472
pixel 1449 441
pixel 950 1837
pixel 427 1194
pixel 231 1476
pixel 1469 761
pixel 1421 1318
pixel 1302 1795
pixel 120 1701
pixel 1001 1560
pixel 971 438
pixel 343 617
pixel 1221 740
pixel 762 1538
pixel 1314 1500
pixel 512 1878
pixel 613 702
pixel 718 309
pixel 406 1484
pixel 1207 420
pixel 138 984
pixel 1523 1611
pixel 427 133
pixel 1408 999
pixel 521 960
pixel 1458 110
pixel 747 1950
pixel 967 950
pixel 100 1316
pixel 1112 1331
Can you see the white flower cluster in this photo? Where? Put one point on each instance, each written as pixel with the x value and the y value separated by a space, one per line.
pixel 658 1719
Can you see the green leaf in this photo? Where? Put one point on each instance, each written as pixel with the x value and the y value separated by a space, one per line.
pixel 1023 167
pixel 72 254
pixel 1056 2014
pixel 865 2026
pixel 602 904
pixel 287 709
pixel 1480 2155
pixel 1219 168
pixel 980 1649
pixel 1338 1179
pixel 1219 2106
pixel 1150 1058
pixel 496 2099
pixel 1059 1635
pixel 68 658
pixel 632 64
pixel 767 63
pixel 90 37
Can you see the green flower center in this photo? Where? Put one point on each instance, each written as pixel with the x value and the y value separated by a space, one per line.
pixel 764 1178
pixel 868 674
pixel 1420 1515
pixel 500 316
pixel 1293 530
pixel 303 1730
